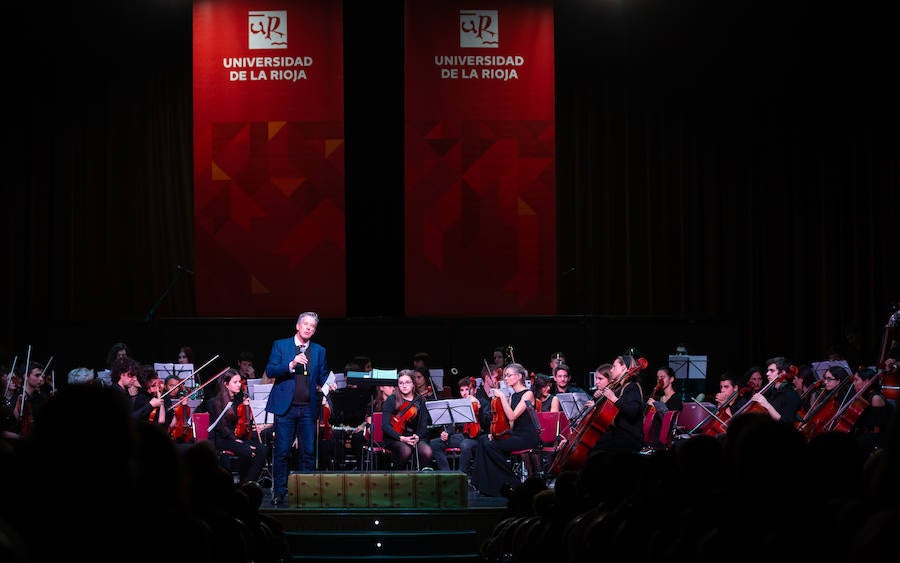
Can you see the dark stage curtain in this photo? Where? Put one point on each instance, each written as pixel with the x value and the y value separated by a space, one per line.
pixel 736 162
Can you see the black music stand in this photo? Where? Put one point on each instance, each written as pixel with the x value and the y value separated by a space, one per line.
pixel 450 411
pixel 688 368
pixel 572 404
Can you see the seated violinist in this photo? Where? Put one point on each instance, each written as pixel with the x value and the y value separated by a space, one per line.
pixel 405 424
pixel 462 436
pixel 231 426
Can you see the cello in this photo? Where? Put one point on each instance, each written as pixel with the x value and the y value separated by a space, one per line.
pixel 822 411
pixel 575 450
pixel 845 418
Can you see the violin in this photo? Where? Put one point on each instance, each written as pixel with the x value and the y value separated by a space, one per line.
pixel 181 430
pixel 472 429
pixel 25 414
pixel 326 430
pixel 244 425
pixel 406 413
pixel 846 417
pixel 500 426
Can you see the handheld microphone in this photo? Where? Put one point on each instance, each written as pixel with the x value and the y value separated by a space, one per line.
pixel 303 350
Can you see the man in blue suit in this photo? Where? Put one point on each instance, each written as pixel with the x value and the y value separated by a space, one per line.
pixel 299 369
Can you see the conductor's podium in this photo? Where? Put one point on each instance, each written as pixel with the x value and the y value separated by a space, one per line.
pixel 399 489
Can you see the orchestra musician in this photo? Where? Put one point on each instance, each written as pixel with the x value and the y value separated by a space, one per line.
pixel 29 403
pixel 405 424
pixel 626 431
pixel 563 381
pixel 232 427
pixel 874 419
pixel 492 472
pixel 663 399
pixel 463 435
pixel 785 402
pixel 147 401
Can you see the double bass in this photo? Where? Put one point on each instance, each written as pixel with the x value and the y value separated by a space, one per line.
pixel 574 452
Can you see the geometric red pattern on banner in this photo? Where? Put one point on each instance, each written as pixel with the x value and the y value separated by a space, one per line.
pixel 480 190
pixel 269 224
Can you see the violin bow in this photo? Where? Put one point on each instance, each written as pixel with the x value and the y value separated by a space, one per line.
pixel 27 370
pixel 12 373
pixel 211 379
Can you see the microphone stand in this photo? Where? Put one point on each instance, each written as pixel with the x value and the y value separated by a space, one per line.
pixel 164 294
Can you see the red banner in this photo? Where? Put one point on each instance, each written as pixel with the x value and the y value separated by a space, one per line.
pixel 480 158
pixel 269 220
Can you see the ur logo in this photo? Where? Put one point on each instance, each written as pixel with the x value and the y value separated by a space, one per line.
pixel 268 30
pixel 478 28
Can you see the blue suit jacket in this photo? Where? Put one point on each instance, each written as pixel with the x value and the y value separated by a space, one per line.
pixel 283 352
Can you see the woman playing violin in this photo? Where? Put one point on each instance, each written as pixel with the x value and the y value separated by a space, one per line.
pixel 492 472
pixel 229 414
pixel 405 423
pixel 785 402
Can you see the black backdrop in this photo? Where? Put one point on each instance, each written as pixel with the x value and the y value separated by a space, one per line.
pixel 727 176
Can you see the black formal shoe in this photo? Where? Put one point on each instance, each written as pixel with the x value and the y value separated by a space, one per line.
pixel 278 500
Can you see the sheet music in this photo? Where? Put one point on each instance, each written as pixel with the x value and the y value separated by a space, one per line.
pixel 384 373
pixel 437 377
pixel 450 411
pixel 261 392
pixel 326 389
pixel 821 367
pixel 260 414
pixel 572 404
pixel 183 371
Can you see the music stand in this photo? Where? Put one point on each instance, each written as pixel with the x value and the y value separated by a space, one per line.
pixel 687 368
pixel 183 371
pixel 821 367
pixel 371 380
pixel 572 404
pixel 450 411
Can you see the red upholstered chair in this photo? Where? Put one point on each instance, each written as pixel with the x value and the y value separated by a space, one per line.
pixel 667 429
pixel 200 420
pixel 374 451
pixel 227 459
pixel 552 425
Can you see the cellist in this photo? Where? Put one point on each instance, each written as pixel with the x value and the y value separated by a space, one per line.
pixel 626 432
pixel 785 401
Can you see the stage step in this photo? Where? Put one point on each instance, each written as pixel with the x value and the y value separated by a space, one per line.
pixel 369 534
